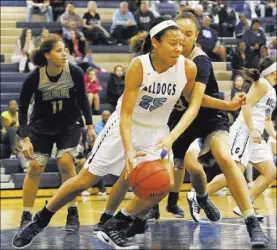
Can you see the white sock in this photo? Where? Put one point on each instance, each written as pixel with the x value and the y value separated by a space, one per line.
pixel 109 212
pixel 71 204
pixel 201 195
pixel 248 213
pixel 123 210
pixel 27 209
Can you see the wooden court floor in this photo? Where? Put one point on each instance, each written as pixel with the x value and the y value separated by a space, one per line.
pixel 166 233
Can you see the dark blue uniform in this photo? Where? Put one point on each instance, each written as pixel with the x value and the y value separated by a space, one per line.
pixel 57 110
pixel 208 120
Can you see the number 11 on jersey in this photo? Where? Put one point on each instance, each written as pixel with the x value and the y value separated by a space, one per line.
pixel 57 106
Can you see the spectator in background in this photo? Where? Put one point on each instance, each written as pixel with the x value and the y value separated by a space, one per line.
pixel 39 7
pixel 123 24
pixel 76 46
pixel 241 26
pixel 264 52
pixel 44 34
pixel 182 7
pixel 207 37
pixel 144 16
pixel 93 87
pixel 254 37
pixel 92 28
pixel 71 22
pixel 24 46
pixel 241 58
pixel 98 127
pixel 227 20
pixel 198 10
pixel 58 8
pixel 116 84
pixel 272 47
pixel 239 86
pixel 134 5
pixel 10 124
pixel 221 54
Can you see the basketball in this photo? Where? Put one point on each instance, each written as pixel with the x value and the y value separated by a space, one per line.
pixel 150 180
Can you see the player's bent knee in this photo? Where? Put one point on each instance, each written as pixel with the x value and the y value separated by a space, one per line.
pixel 35 169
pixel 65 163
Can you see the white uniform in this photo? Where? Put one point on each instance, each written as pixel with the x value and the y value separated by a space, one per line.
pixel 156 98
pixel 243 147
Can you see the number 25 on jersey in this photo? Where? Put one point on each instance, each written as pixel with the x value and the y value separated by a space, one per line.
pixel 151 103
pixel 57 106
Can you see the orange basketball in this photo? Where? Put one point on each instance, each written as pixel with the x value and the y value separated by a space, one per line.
pixel 150 180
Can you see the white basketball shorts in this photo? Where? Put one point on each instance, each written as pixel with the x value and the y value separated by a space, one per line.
pixel 108 156
pixel 244 150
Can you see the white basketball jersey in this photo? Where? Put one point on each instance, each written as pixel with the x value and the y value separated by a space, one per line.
pixel 158 93
pixel 263 108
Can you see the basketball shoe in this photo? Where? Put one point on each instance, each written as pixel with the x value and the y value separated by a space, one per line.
pixel 237 211
pixel 72 220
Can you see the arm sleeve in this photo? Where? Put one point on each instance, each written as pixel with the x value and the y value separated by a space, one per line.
pixel 27 91
pixel 81 94
pixel 203 69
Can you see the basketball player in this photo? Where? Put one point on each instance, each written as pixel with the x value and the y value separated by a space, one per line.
pixel 59 92
pixel 154 83
pixel 212 126
pixel 247 143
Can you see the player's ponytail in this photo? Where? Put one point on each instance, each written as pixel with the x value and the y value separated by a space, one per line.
pixel 252 75
pixel 38 55
pixel 141 43
pixel 267 66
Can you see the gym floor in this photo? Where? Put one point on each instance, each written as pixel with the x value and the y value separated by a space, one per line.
pixel 166 233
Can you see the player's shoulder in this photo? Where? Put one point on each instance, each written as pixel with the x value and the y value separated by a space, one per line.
pixel 190 66
pixel 5 114
pixel 74 69
pixel 33 75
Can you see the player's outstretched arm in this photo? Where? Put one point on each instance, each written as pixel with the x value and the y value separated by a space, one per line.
pixel 133 80
pixel 196 92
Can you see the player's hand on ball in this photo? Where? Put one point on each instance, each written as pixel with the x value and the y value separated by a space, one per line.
pixel 27 148
pixel 91 134
pixel 237 101
pixel 256 136
pixel 131 161
pixel 165 142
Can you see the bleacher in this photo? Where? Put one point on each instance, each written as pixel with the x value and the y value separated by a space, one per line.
pixel 105 56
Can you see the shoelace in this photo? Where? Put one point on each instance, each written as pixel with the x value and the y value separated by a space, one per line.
pixel 195 206
pixel 117 237
pixel 25 233
pixel 207 205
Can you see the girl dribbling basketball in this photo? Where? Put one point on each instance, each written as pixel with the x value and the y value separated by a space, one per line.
pixel 154 82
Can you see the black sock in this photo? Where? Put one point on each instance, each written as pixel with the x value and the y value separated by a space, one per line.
pixel 121 216
pixel 156 208
pixel 172 199
pixel 202 199
pixel 45 216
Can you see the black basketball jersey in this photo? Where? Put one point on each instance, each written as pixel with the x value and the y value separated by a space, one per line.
pixel 205 75
pixel 59 100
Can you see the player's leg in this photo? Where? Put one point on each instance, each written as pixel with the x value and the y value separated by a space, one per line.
pixel 238 187
pixel 66 144
pixel 138 209
pixel 96 101
pixel 42 149
pixel 199 199
pixel 107 152
pixel 118 192
pixel 90 98
pixel 267 170
pixel 179 148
